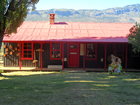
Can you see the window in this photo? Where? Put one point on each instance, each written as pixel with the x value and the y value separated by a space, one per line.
pixel 55 51
pixel 73 46
pixel 91 51
pixel 27 51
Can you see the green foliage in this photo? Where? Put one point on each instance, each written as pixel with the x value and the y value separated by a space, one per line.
pixel 134 37
pixel 13 13
pixel 2 8
pixel 1 71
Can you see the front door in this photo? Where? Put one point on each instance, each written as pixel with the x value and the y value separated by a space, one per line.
pixel 73 60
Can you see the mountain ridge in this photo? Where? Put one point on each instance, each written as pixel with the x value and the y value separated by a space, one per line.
pixel 126 14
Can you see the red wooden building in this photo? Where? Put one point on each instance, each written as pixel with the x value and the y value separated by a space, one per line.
pixel 55 45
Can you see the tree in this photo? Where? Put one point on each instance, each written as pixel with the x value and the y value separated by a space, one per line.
pixel 12 15
pixel 134 37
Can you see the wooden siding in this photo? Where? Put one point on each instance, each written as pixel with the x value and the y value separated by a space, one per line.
pixel 10 60
pixel 118 49
pixel 13 60
pixel 46 57
pixel 28 63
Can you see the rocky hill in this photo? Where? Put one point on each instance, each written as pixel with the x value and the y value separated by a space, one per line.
pixel 130 13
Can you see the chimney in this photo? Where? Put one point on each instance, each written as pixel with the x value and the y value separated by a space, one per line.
pixel 52 18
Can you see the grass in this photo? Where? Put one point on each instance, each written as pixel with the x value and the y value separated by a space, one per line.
pixel 90 88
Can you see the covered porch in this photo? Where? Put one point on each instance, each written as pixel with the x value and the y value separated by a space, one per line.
pixel 61 55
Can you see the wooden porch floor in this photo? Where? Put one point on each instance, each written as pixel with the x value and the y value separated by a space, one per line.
pixel 17 68
pixel 6 69
pixel 48 69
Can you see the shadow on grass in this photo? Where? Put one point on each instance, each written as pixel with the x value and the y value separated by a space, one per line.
pixel 70 89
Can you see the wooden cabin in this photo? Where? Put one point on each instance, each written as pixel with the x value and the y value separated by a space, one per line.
pixel 60 45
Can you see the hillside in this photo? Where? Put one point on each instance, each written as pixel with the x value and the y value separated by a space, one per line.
pixel 130 13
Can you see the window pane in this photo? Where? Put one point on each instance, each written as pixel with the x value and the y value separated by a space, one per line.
pixel 73 46
pixel 91 51
pixel 56 54
pixel 27 54
pixel 55 46
pixel 27 46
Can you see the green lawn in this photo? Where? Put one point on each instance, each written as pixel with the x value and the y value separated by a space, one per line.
pixel 89 88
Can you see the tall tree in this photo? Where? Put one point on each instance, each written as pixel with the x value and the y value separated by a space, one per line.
pixel 12 15
pixel 134 37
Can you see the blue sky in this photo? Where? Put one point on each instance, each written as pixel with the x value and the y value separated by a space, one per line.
pixel 83 4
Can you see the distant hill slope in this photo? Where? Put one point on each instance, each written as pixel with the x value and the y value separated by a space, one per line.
pixel 130 13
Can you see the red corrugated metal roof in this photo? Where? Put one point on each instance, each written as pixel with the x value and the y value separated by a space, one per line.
pixel 72 31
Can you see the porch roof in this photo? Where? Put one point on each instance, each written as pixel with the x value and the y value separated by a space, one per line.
pixel 71 32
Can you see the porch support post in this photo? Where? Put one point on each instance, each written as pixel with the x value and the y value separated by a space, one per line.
pixel 126 55
pixel 41 61
pixel 105 54
pixel 62 49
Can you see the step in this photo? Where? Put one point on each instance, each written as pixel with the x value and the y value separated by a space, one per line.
pixel 56 67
